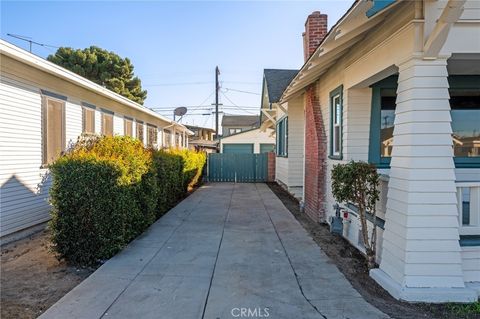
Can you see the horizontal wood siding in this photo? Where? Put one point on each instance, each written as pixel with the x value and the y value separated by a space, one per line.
pixel 281 170
pixel 23 184
pixel 471 263
pixel 296 133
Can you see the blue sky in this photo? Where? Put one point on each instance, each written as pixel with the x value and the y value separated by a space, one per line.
pixel 175 46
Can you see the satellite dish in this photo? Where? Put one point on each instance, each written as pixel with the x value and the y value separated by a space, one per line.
pixel 180 111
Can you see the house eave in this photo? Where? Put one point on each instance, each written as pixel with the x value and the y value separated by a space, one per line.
pixel 348 31
pixel 39 63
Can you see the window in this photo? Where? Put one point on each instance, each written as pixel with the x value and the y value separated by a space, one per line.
pixel 53 129
pixel 139 133
pixel 177 139
pixel 468 203
pixel 107 123
pixel 282 137
pixel 465 113
pixel 336 120
pixel 128 126
pixel 167 135
pixel 88 114
pixel 234 131
pixel 387 118
pixel 151 135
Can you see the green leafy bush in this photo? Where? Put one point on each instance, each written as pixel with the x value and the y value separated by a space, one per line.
pixel 193 166
pixel 108 190
pixel 169 174
pixel 357 183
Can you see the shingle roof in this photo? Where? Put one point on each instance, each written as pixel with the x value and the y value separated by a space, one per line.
pixel 277 81
pixel 240 120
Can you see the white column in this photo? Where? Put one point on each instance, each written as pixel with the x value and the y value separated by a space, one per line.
pixel 421 258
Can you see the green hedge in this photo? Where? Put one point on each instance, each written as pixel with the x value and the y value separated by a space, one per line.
pixel 108 190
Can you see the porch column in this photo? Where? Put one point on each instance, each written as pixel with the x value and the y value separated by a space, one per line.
pixel 421 258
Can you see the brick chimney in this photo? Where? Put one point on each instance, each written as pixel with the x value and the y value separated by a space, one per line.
pixel 315 31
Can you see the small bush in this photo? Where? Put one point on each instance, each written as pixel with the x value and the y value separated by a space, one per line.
pixel 107 190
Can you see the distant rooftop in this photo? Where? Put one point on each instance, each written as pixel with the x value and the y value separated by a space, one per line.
pixel 240 120
pixel 193 127
pixel 277 81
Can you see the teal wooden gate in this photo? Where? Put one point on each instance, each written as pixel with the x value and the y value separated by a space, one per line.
pixel 237 167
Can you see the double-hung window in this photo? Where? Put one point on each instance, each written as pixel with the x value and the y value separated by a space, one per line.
pixel 107 123
pixel 53 137
pixel 88 116
pixel 336 119
pixel 282 137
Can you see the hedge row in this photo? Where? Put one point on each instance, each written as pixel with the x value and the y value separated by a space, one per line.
pixel 108 190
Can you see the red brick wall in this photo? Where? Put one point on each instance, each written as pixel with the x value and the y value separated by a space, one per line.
pixel 315 157
pixel 315 31
pixel 315 139
pixel 271 162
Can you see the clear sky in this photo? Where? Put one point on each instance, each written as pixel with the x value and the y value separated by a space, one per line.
pixel 175 46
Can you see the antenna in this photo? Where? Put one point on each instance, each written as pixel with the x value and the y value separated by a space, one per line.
pixel 30 41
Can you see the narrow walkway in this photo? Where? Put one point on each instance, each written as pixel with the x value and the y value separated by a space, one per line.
pixel 227 251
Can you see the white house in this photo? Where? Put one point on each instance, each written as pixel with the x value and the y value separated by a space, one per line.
pixel 43 109
pixel 288 123
pixel 252 141
pixel 397 84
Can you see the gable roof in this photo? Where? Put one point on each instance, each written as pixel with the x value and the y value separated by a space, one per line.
pixel 277 81
pixel 240 120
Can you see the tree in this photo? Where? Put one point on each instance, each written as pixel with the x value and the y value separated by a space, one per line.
pixel 357 183
pixel 102 67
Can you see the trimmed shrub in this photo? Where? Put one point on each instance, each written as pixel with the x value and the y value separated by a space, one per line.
pixel 108 190
pixel 103 195
pixel 169 174
pixel 193 162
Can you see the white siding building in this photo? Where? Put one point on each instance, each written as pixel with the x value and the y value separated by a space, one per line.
pixel 44 108
pixel 397 84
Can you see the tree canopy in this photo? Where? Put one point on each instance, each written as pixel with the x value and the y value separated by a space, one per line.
pixel 102 67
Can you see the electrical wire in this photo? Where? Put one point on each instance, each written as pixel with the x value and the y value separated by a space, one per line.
pixel 239 107
pixel 241 91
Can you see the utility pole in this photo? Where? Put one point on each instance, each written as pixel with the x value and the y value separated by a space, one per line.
pixel 217 88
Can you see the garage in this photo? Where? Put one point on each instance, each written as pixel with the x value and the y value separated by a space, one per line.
pixel 238 148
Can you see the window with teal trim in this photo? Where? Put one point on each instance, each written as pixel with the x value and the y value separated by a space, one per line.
pixel 465 112
pixel 282 137
pixel 336 121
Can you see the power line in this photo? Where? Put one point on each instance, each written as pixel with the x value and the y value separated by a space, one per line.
pixel 241 91
pixel 239 107
pixel 178 84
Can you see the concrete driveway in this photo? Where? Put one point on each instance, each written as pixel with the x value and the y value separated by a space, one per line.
pixel 227 251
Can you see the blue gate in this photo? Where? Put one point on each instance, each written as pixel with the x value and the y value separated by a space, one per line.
pixel 237 167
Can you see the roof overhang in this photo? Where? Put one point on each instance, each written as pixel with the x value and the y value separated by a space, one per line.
pixel 39 63
pixel 347 32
